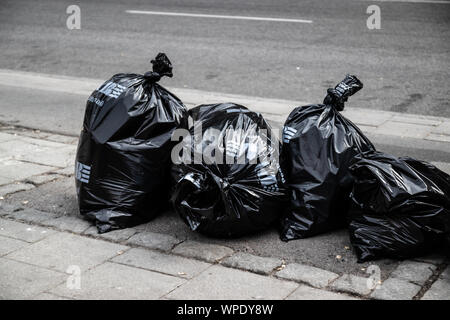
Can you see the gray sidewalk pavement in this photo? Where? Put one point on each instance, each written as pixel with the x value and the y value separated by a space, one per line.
pixel 44 243
pixel 42 234
pixel 38 263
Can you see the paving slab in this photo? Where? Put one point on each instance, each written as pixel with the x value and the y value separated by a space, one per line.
pixel 445 274
pixel 116 235
pixel 223 283
pixel 396 289
pixel 61 250
pixel 9 207
pixel 367 117
pixel 48 296
pixel 313 276
pixel 152 240
pixel 116 281
pixel 414 271
pixel 17 147
pixel 8 245
pixel 62 139
pixel 31 215
pixel 246 261
pixel 59 157
pixel 352 284
pixel 42 178
pixel 25 132
pixel 68 223
pixel 308 293
pixel 367 129
pixel 440 290
pixel 4 180
pixel 6 137
pixel 19 170
pixel 403 129
pixel 58 197
pixel 203 251
pixel 48 145
pixel 14 187
pixel 23 281
pixel 443 128
pixel 438 137
pixel 417 119
pixel 22 231
pixel 319 251
pixel 160 262
pixel 67 171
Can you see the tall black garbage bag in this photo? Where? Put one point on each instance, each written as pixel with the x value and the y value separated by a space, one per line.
pixel 229 182
pixel 123 158
pixel 319 144
pixel 400 207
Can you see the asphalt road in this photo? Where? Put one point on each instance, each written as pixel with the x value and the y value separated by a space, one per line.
pixel 404 65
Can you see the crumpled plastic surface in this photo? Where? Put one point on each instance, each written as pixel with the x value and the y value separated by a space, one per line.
pixel 123 160
pixel 319 144
pixel 400 207
pixel 221 198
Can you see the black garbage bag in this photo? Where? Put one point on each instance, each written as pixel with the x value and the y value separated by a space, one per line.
pixel 123 159
pixel 400 207
pixel 319 144
pixel 229 182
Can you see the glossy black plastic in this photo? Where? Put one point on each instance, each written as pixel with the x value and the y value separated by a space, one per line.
pixel 400 207
pixel 123 159
pixel 241 190
pixel 319 144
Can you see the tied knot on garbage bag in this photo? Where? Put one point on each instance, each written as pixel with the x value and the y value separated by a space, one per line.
pixel 339 95
pixel 161 67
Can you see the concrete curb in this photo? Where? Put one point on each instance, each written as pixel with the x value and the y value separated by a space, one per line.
pixel 370 121
pixel 392 288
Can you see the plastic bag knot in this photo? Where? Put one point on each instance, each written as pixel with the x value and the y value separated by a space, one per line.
pixel 344 89
pixel 161 67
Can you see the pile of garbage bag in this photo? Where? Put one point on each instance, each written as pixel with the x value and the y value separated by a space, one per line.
pixel 226 177
pixel 229 182
pixel 319 145
pixel 123 160
pixel 400 207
